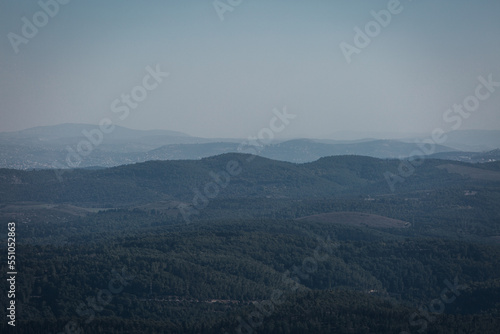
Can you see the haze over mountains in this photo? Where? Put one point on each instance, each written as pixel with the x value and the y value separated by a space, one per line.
pixel 57 146
pixel 335 167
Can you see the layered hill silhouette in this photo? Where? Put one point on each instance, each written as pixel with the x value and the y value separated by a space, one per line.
pixel 85 145
pixel 257 177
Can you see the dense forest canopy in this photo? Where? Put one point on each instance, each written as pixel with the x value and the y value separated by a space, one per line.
pixel 319 247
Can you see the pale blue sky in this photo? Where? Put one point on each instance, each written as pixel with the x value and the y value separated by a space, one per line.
pixel 227 76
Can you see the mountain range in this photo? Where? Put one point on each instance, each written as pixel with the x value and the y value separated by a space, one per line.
pixel 84 145
pixel 249 177
pixel 208 242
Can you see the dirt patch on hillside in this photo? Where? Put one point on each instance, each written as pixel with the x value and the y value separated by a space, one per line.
pixel 357 219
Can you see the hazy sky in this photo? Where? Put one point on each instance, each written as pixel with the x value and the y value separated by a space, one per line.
pixel 227 76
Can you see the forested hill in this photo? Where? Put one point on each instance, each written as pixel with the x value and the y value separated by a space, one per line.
pixel 380 256
pixel 235 176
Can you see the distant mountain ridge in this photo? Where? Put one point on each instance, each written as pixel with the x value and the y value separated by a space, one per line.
pixel 51 147
pixel 57 135
pixel 72 129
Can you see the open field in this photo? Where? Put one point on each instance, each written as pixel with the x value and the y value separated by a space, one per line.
pixel 357 219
